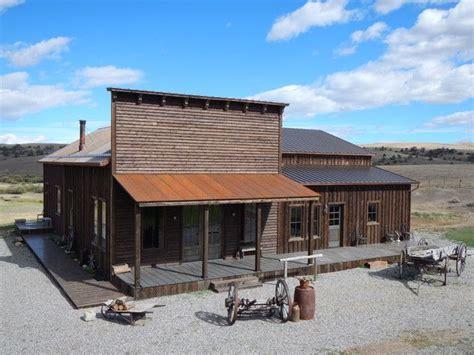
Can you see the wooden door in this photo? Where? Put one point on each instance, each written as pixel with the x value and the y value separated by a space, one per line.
pixel 335 226
pixel 215 216
pixel 192 241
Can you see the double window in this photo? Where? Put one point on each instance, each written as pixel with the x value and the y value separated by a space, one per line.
pixel 372 212
pixel 296 221
pixel 100 222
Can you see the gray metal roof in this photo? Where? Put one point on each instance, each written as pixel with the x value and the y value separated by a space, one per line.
pixel 296 140
pixel 343 175
pixel 96 151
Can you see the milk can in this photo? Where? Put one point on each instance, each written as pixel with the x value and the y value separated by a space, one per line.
pixel 305 297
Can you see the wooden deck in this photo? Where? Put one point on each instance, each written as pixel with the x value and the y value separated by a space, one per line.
pixel 178 278
pixel 33 226
pixel 80 287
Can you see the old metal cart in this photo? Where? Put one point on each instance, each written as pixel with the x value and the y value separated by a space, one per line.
pixel 281 302
pixel 429 258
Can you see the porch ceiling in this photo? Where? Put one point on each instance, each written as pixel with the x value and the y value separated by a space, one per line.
pixel 185 189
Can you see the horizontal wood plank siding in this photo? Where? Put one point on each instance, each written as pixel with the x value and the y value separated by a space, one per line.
pixel 270 228
pixel 150 138
pixel 393 214
pixel 321 159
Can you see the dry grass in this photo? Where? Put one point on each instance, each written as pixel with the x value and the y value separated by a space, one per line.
pixel 445 198
pixel 13 206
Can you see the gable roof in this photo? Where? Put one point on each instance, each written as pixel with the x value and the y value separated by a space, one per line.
pixel 321 175
pixel 314 141
pixel 96 151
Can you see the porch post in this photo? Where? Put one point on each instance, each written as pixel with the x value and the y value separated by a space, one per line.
pixel 138 246
pixel 310 231
pixel 258 238
pixel 205 244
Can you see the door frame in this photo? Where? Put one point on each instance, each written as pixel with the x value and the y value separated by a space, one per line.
pixel 342 224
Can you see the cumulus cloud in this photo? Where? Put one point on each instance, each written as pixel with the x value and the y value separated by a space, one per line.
pixel 6 4
pixel 375 31
pixel 11 138
pixel 18 97
pixel 24 55
pixel 311 14
pixel 430 62
pixel 385 6
pixel 463 118
pixel 107 75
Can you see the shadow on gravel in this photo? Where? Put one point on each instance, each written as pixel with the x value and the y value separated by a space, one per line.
pixel 411 276
pixel 221 321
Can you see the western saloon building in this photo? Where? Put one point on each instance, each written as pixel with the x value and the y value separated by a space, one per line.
pixel 179 179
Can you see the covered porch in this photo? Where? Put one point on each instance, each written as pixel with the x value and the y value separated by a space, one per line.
pixel 196 214
pixel 162 280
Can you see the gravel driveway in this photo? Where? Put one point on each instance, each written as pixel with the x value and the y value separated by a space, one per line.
pixel 359 311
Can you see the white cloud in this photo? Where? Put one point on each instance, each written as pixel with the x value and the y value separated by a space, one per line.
pixel 385 6
pixel 107 75
pixel 19 98
pixel 10 138
pixel 23 55
pixel 373 32
pixel 6 4
pixel 311 14
pixel 463 118
pixel 430 62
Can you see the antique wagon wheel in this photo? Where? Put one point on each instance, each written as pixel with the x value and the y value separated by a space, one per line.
pixel 232 303
pixel 461 259
pixel 283 300
pixel 446 267
pixel 402 264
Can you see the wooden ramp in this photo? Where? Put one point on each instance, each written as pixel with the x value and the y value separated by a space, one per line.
pixel 79 287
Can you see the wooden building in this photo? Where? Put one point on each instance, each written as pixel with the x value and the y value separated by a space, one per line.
pixel 184 178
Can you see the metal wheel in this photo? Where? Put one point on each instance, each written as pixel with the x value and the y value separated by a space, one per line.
pixel 446 267
pixel 232 303
pixel 402 265
pixel 283 300
pixel 461 259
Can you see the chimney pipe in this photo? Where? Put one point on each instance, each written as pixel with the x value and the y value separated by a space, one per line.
pixel 82 134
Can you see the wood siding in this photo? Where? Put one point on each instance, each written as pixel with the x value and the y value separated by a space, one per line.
pixel 318 159
pixel 394 204
pixel 53 175
pixel 150 138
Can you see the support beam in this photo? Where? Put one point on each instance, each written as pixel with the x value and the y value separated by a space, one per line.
pixel 258 239
pixel 310 231
pixel 205 243
pixel 138 246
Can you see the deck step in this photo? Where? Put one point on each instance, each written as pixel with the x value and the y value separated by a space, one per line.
pixel 242 283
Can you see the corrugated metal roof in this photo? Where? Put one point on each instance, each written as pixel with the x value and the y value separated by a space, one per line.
pixel 96 151
pixel 175 189
pixel 343 175
pixel 295 140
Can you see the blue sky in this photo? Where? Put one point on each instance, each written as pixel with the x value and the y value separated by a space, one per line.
pixel 368 71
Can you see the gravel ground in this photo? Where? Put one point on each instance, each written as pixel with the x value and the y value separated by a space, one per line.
pixel 358 311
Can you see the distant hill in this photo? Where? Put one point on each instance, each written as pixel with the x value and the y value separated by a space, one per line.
pixel 420 155
pixel 16 159
pixel 457 146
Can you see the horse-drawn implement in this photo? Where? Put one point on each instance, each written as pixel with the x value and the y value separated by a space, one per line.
pixel 281 303
pixel 428 258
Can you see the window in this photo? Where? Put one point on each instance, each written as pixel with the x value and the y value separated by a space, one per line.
pixel 96 221
pixel 103 224
pixel 316 221
pixel 372 212
pixel 250 223
pixel 152 233
pixel 296 221
pixel 334 215
pixel 58 200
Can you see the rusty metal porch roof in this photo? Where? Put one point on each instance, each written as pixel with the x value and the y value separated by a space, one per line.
pixel 183 189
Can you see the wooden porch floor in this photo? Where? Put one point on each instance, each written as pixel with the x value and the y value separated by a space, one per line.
pixel 178 278
pixel 80 287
